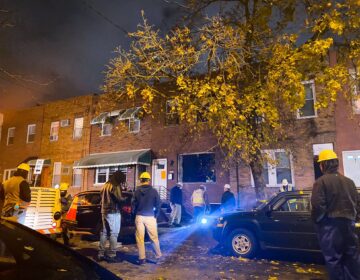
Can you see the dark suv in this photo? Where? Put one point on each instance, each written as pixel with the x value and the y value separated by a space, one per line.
pixel 88 214
pixel 283 222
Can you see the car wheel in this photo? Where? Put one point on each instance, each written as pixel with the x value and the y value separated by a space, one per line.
pixel 243 243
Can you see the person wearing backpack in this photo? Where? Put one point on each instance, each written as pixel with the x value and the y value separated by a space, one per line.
pixel 200 202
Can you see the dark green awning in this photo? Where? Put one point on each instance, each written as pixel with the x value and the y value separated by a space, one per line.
pixel 115 159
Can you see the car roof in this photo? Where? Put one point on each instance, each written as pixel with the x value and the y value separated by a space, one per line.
pixel 98 192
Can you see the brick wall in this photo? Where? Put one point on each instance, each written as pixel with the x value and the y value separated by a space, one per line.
pixel 66 149
pixel 20 150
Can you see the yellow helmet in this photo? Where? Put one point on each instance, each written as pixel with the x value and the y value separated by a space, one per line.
pixel 145 175
pixel 64 186
pixel 327 155
pixel 24 166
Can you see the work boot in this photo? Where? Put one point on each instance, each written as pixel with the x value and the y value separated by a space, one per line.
pixel 142 261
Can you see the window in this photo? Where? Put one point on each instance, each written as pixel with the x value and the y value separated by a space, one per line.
pixel 103 173
pixel 278 168
pixel 56 174
pixel 298 204
pixel 77 177
pixel 31 133
pixel 171 117
pixel 355 90
pixel 8 173
pixel 134 125
pixel 89 199
pixel 78 127
pixel 197 168
pixel 351 162
pixel 308 110
pixel 54 131
pixel 65 169
pixel 11 136
pixel 106 129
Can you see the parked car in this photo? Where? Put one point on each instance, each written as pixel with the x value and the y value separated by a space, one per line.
pixel 88 214
pixel 26 254
pixel 284 222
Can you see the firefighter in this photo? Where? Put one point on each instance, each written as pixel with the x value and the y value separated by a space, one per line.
pixel 16 194
pixel 146 207
pixel 335 207
pixel 66 200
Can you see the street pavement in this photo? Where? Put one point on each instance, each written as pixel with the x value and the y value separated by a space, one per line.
pixel 188 255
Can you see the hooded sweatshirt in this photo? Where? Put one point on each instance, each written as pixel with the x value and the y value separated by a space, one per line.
pixel 146 201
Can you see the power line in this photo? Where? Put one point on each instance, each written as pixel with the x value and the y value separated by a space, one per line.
pixel 100 14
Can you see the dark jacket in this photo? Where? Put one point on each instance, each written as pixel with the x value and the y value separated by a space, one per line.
pixel 334 196
pixel 176 195
pixel 228 201
pixel 146 201
pixel 111 198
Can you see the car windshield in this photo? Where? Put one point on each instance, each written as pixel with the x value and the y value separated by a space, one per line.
pixel 260 203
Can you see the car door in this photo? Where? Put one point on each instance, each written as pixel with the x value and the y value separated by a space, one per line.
pixel 88 211
pixel 288 224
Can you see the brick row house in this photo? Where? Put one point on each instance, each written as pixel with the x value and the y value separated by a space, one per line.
pixel 84 147
pixel 58 132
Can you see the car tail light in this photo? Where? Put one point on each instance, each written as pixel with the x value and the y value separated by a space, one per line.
pixel 53 224
pixel 126 209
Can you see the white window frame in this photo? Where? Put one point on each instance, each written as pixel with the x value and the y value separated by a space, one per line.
pixel 54 133
pixel 30 126
pixel 273 182
pixel 56 179
pixel 8 173
pixel 77 172
pixel 134 121
pixel 107 174
pixel 350 154
pixel 78 128
pixel 103 125
pixel 10 129
pixel 312 82
pixel 355 92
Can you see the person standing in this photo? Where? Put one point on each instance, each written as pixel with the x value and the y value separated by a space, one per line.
pixel 16 194
pixel 285 186
pixel 176 200
pixel 111 200
pixel 227 199
pixel 200 202
pixel 65 199
pixel 146 207
pixel 335 207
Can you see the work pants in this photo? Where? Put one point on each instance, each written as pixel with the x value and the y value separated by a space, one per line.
pixel 175 216
pixel 110 229
pixel 339 245
pixel 199 212
pixel 149 224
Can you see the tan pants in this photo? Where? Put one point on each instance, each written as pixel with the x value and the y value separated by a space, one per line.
pixel 148 223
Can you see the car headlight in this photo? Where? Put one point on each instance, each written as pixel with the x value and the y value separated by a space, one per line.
pixel 357 225
pixel 204 221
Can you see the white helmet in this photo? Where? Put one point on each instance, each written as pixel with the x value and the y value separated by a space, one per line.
pixel 227 187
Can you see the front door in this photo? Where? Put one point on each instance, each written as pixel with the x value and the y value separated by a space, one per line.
pixel 159 171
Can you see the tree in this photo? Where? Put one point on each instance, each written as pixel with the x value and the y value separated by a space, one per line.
pixel 241 70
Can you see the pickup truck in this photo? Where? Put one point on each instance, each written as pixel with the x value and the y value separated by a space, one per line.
pixel 284 222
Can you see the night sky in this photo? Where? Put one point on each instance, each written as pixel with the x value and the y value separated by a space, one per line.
pixel 53 49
